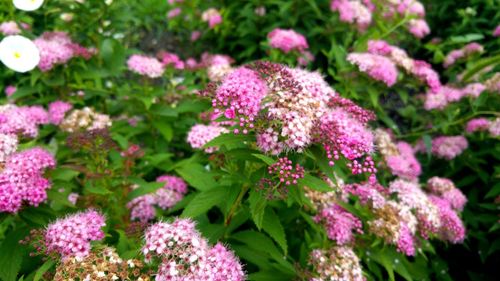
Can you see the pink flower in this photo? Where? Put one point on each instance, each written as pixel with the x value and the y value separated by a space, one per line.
pixel 340 224
pixel 338 261
pixel 353 11
pixel 73 198
pixel 212 16
pixel 496 32
pixel 22 120
pixel 9 28
pixel 477 124
pixel 171 59
pixel 71 236
pixel 224 265
pixel 404 165
pixel 173 13
pixel 452 229
pixel 57 110
pixel 464 52
pixel 58 48
pixel 8 145
pixel 495 128
pixel 200 134
pixel 287 40
pixel 378 67
pixel 145 65
pixel 10 90
pixel 284 170
pixel 195 35
pixel 449 147
pixel 419 28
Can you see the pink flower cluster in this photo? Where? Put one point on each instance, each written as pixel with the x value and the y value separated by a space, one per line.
pixel 143 207
pixel 212 16
pixel 22 179
pixel 9 28
pixel 421 70
pixel 144 65
pixel 477 124
pixel 405 164
pixel 340 225
pixel 357 12
pixel 419 28
pixel 199 135
pixel 57 111
pixel 22 120
pixel 449 147
pixel 294 108
pixel 286 172
pixel 287 40
pixel 417 25
pixel 447 94
pixel 377 67
pixel 71 236
pixel 10 90
pixel 186 255
pixel 174 12
pixel 496 32
pixel 8 145
pixel 58 48
pixel 336 263
pixel 446 189
pixel 172 59
pixel 464 52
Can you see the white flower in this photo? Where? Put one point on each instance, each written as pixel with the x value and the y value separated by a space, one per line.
pixel 27 5
pixel 19 53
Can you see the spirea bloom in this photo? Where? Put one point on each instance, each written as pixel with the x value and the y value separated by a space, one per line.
pixel 452 229
pixel 353 11
pixel 10 90
pixel 212 16
pixel 171 59
pixel 378 67
pixel 19 53
pixel 449 147
pixel 466 51
pixel 287 40
pixel 446 94
pixel 22 120
pixel 71 236
pixel 58 48
pixel 57 110
pixel 84 119
pixel 337 263
pixel 27 5
pixel 495 128
pixel 8 145
pixel 22 179
pixel 224 265
pixel 9 28
pixel 174 12
pixel 284 170
pixel 143 207
pixel 419 28
pixel 144 65
pixel 404 164
pixel 201 134
pixel 446 189
pixel 496 32
pixel 477 124
pixel 340 225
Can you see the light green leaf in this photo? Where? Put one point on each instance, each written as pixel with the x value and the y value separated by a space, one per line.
pixel 204 201
pixel 273 227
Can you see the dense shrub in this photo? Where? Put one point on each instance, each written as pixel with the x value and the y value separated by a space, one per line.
pixel 249 140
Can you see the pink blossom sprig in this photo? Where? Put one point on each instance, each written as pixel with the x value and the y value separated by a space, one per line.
pixel 340 225
pixel 144 65
pixel 286 173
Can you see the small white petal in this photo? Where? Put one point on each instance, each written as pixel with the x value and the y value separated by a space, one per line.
pixel 27 5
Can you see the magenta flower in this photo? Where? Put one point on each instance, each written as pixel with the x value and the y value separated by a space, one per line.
pixel 340 225
pixel 146 66
pixel 200 134
pixel 377 67
pixel 449 147
pixel 287 40
pixel 212 16
pixel 57 111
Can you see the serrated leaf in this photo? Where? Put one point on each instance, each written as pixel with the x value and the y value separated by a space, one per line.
pixel 42 269
pixel 64 174
pixel 204 201
pixel 11 254
pixel 230 140
pixel 314 183
pixel 257 207
pixel 266 159
pixel 165 130
pixel 272 225
pixel 197 176
pixel 145 188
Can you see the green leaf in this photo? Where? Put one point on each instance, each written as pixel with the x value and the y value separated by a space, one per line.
pixel 145 188
pixel 257 207
pixel 12 255
pixel 23 92
pixel 197 176
pixel 100 190
pixel 42 269
pixel 273 227
pixel 266 159
pixel 163 110
pixel 230 140
pixel 204 201
pixel 165 130
pixel 64 174
pixel 314 183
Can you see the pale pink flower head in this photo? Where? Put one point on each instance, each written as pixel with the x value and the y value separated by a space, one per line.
pixel 22 120
pixel 224 265
pixel 424 72
pixel 379 47
pixel 419 28
pixel 353 11
pixel 10 90
pixel 496 32
pixel 57 111
pixel 287 40
pixel 212 16
pixel 174 12
pixel 452 228
pixel 144 65
pixel 477 124
pixel 195 35
pixel 449 147
pixel 337 261
pixel 9 28
pixel 495 128
pixel 340 225
pixel 201 134
pixel 71 236
pixel 377 67
pixel 171 59
pixel 8 145
pixel 405 164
